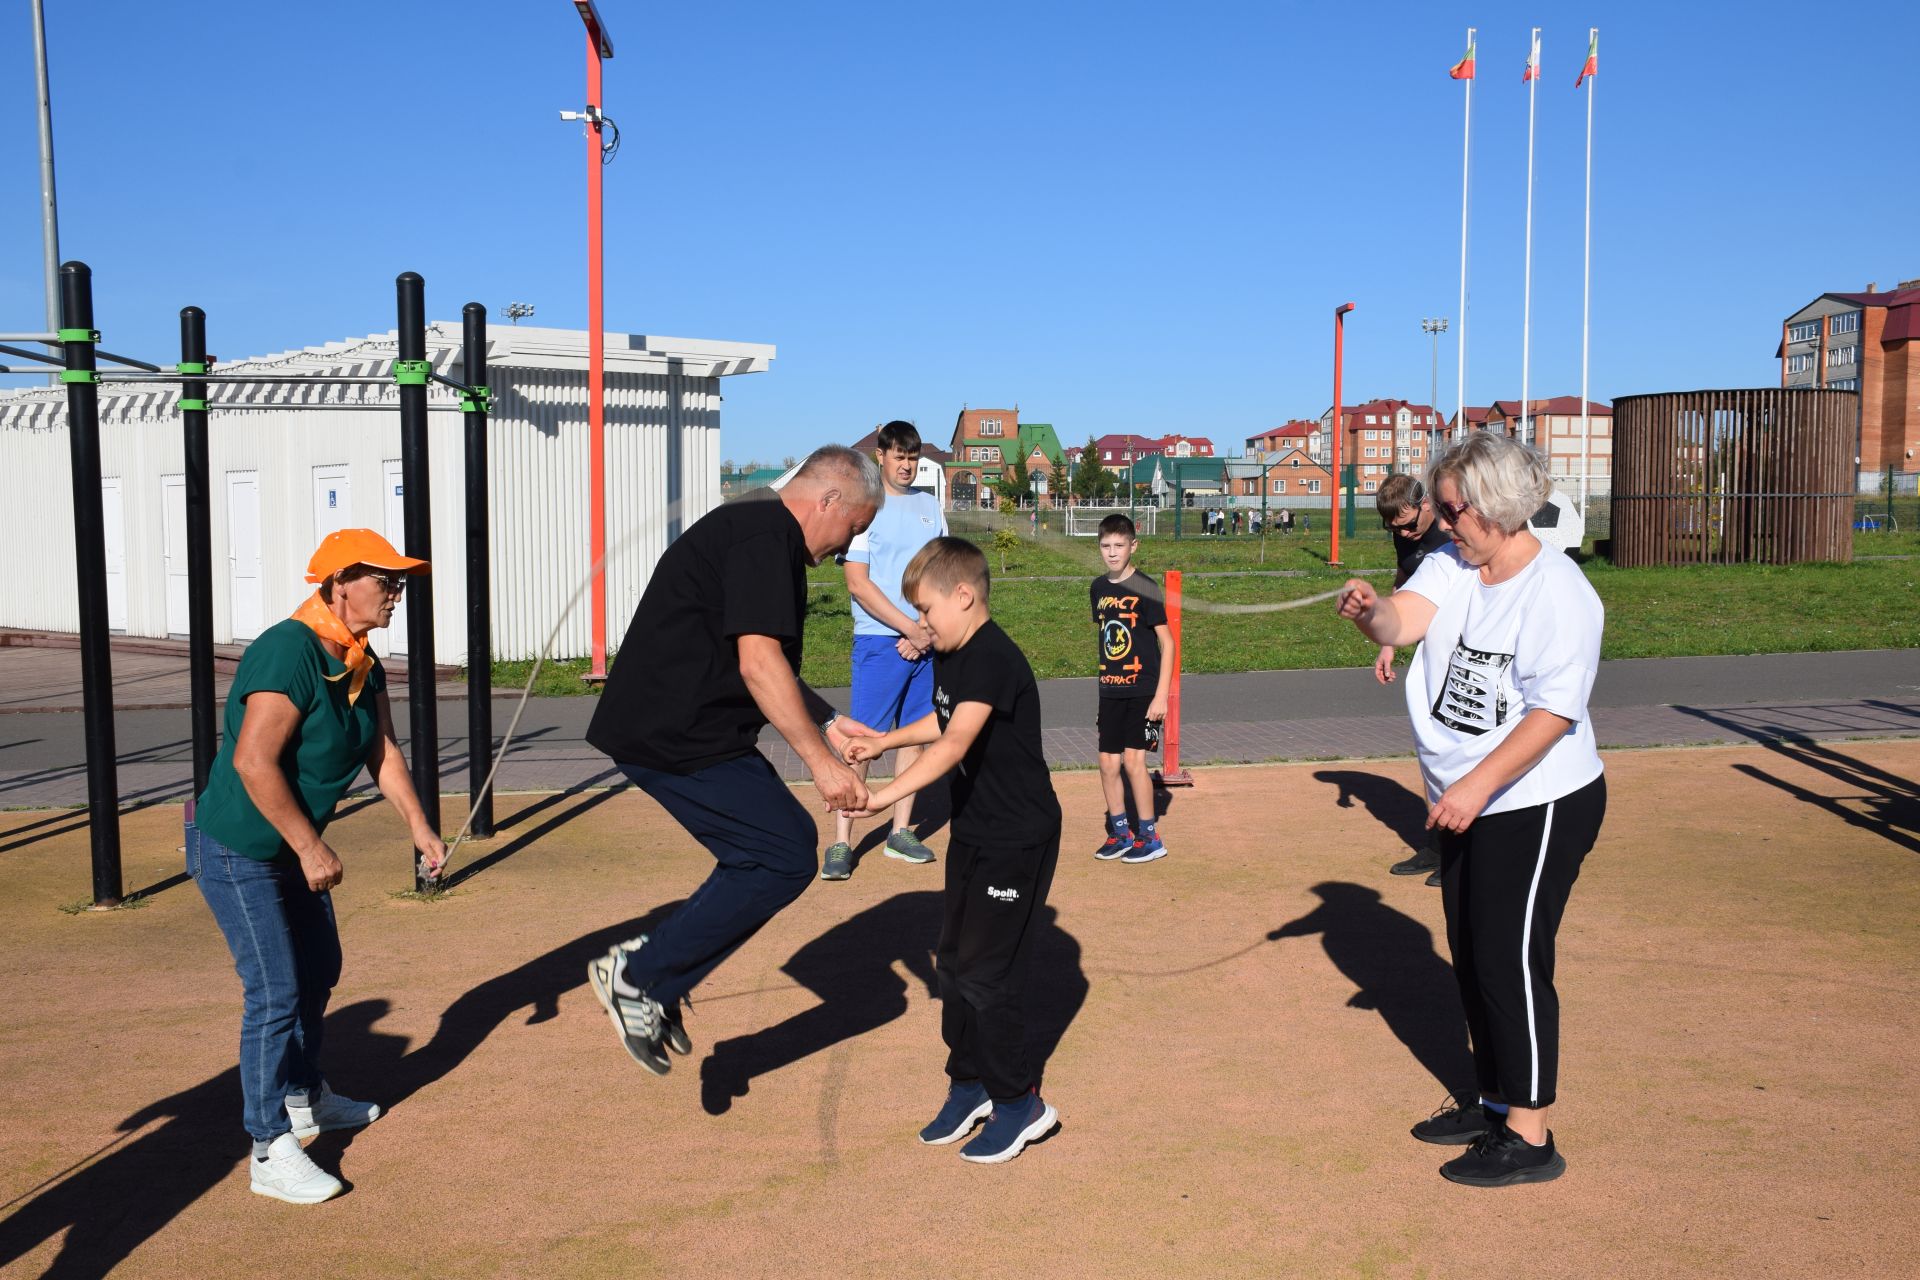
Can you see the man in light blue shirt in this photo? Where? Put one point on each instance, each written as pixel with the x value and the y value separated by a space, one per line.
pixel 892 651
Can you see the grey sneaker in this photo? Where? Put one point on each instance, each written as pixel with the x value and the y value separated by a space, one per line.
pixel 906 846
pixel 838 864
pixel 329 1111
pixel 635 1015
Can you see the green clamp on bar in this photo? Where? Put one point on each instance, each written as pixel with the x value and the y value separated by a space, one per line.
pixel 79 375
pixel 78 335
pixel 191 366
pixel 189 403
pixel 412 373
pixel 477 400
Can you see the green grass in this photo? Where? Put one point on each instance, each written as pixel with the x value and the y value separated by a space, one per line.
pixel 1664 612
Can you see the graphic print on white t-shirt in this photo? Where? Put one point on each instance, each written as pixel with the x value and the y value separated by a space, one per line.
pixel 1473 697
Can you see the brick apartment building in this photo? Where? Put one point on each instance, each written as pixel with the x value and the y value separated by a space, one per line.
pixel 1863 342
pixel 1553 425
pixel 1300 433
pixel 1382 437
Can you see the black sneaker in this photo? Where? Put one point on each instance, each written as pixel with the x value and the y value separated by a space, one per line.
pixel 673 1030
pixel 1460 1120
pixel 1501 1158
pixel 1433 881
pixel 1427 859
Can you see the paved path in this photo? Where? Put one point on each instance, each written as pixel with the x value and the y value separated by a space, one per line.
pixel 1247 718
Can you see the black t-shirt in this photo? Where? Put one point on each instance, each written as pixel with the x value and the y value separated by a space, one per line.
pixel 1002 794
pixel 1125 614
pixel 1412 553
pixel 675 699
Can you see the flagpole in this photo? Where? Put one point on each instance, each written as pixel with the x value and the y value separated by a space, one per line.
pixel 1466 148
pixel 1586 300
pixel 1526 313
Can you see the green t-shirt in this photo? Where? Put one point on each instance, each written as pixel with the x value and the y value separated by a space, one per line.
pixel 328 749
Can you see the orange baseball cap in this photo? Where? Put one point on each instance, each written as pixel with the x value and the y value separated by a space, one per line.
pixel 345 548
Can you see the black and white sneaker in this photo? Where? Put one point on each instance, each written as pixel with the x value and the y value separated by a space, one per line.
pixel 637 1017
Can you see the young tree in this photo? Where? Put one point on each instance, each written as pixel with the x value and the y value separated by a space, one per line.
pixel 1057 482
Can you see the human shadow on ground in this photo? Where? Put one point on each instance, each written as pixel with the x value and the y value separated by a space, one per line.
pixel 1394 806
pixel 1390 957
pixel 850 968
pixel 115 1203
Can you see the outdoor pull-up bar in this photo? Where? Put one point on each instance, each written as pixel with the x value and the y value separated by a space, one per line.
pixel 78 341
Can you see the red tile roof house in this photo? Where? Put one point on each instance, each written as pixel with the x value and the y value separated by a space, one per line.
pixel 1119 452
pixel 1555 426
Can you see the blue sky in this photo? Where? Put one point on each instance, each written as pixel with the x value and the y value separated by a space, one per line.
pixel 1119 216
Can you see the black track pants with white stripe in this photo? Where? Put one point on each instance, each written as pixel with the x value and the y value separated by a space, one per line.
pixel 1505 883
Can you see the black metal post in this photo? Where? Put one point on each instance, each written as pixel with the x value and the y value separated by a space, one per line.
pixel 90 566
pixel 424 718
pixel 473 359
pixel 199 486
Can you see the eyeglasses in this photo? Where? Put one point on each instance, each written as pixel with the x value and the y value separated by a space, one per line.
pixel 1453 510
pixel 393 583
pixel 1402 526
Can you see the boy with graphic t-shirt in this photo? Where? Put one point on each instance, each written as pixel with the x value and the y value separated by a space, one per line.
pixel 1130 621
pixel 985 727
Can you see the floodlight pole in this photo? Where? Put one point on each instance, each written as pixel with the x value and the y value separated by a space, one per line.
pixel 49 206
pixel 599 49
pixel 1333 513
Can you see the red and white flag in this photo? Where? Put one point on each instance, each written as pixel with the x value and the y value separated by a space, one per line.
pixel 1593 60
pixel 1533 62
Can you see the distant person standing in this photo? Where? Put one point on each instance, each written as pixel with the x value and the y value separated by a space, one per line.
pixel 1407 513
pixel 1134 644
pixel 711 658
pixel 1286 520
pixel 892 648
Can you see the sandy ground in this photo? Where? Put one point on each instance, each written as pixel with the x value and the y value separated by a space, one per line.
pixel 1739 970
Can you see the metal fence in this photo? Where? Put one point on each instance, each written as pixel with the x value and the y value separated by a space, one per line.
pixel 1725 477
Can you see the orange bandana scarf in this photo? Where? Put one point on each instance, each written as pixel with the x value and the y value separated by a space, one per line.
pixel 317 614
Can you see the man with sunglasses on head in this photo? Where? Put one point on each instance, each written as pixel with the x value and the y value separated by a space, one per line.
pixel 1407 513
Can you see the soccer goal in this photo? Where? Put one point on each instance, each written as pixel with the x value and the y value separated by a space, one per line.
pixel 1084 522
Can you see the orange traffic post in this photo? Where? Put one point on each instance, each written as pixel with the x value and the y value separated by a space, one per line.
pixel 1339 429
pixel 1171 774
pixel 599 49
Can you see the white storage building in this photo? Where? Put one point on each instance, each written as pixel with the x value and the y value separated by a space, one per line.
pixel 284 476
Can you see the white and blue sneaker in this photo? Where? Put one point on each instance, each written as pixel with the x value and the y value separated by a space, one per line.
pixel 328 1111
pixel 1010 1128
pixel 965 1105
pixel 635 1015
pixel 1146 846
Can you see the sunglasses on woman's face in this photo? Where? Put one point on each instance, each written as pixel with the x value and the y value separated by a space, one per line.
pixel 392 583
pixel 1453 510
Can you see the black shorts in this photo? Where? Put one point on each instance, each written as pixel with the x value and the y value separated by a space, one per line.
pixel 1123 724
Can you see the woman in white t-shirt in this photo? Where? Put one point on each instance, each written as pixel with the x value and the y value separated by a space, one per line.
pixel 1509 635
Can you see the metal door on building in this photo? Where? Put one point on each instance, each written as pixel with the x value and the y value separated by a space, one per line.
pixel 173 553
pixel 113 513
pixel 332 500
pixel 393 491
pixel 244 593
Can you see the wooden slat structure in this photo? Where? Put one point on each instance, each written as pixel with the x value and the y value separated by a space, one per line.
pixel 1729 477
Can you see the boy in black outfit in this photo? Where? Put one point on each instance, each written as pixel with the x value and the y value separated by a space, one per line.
pixel 985 727
pixel 1136 670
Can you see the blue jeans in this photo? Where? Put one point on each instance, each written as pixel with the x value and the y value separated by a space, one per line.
pixel 764 842
pixel 286 949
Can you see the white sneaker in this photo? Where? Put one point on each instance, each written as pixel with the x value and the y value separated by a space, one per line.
pixel 330 1111
pixel 289 1174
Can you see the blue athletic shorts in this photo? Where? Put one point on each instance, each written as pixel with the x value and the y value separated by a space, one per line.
pixel 889 691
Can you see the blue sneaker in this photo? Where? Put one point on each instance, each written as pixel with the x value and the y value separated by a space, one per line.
pixel 1146 848
pixel 1119 840
pixel 965 1104
pixel 1009 1129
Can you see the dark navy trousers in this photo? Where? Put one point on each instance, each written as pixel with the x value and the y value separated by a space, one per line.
pixel 764 841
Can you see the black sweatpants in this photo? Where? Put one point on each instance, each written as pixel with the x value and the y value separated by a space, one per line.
pixel 1505 883
pixel 993 900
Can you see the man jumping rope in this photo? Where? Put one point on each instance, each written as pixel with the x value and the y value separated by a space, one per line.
pixel 712 657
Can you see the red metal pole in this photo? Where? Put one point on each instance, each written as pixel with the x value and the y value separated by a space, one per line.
pixel 1171 774
pixel 596 374
pixel 1339 429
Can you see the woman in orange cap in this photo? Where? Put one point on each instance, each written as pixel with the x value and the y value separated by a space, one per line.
pixel 307 711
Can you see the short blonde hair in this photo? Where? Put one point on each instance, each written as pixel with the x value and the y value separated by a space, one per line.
pixel 1502 479
pixel 944 564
